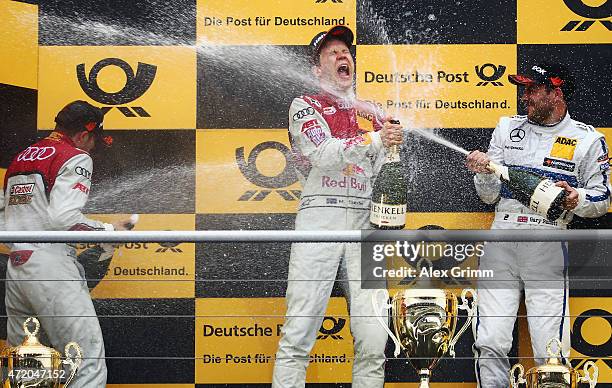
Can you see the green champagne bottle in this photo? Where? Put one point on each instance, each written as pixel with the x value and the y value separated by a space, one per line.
pixel 532 190
pixel 390 193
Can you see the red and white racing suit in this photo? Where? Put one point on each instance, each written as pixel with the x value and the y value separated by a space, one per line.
pixel 336 162
pixel 568 151
pixel 45 188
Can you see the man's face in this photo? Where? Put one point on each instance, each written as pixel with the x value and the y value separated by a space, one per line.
pixel 336 66
pixel 539 101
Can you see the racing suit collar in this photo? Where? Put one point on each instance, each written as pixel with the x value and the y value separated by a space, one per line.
pixel 340 102
pixel 61 136
pixel 550 128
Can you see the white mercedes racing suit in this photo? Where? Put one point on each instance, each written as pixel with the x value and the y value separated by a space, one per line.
pixel 568 151
pixel 45 188
pixel 336 162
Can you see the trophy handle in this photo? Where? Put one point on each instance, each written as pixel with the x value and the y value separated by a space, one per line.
pixel 386 306
pixel 587 376
pixel 516 380
pixel 74 362
pixel 471 314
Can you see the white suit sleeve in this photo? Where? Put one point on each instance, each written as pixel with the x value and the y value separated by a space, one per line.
pixel 488 186
pixel 69 195
pixel 594 197
pixel 310 133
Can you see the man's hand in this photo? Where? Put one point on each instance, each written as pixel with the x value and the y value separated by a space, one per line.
pixel 571 199
pixel 127 224
pixel 391 134
pixel 478 161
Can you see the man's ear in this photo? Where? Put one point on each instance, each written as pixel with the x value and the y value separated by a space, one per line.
pixel 80 137
pixel 559 94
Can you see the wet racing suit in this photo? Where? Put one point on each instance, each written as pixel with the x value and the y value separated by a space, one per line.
pixel 336 162
pixel 568 151
pixel 45 188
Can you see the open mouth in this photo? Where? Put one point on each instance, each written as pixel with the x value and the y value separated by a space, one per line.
pixel 343 70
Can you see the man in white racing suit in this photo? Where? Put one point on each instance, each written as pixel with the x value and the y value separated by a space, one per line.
pixel 550 143
pixel 45 188
pixel 336 161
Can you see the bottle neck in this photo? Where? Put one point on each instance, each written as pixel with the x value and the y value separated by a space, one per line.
pixel 393 154
pixel 500 171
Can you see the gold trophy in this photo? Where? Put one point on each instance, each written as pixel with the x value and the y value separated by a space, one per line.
pixel 32 364
pixel 425 321
pixel 553 374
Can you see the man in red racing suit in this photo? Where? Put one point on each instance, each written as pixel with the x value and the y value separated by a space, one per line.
pixel 336 161
pixel 45 188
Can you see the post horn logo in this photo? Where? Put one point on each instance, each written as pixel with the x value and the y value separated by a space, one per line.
pixel 337 325
pixel 496 73
pixel 135 86
pixel 285 178
pixel 594 352
pixel 168 246
pixel 578 7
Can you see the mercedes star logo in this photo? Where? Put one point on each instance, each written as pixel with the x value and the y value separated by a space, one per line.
pixel 517 135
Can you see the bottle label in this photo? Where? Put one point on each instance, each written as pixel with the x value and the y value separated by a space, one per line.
pixel 387 215
pixel 543 196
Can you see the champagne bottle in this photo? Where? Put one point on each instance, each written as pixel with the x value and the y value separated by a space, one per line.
pixel 532 190
pixel 390 193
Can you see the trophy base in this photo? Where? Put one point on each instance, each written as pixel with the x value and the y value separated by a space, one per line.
pixel 424 375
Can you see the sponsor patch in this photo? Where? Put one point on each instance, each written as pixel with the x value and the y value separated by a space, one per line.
pixel 517 134
pixel 346 182
pixel 304 113
pixel 313 102
pixel 360 140
pixel 20 199
pixel 81 187
pixel 331 201
pixel 313 131
pixel 21 194
pixel 353 169
pixel 22 189
pixel 514 148
pixel 19 257
pixel 604 166
pixel 564 148
pixel 329 110
pixel 559 164
pixel 83 172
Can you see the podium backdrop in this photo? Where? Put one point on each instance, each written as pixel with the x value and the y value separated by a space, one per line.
pixel 196 95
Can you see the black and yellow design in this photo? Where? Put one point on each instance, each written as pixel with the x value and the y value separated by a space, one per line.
pixel 564 21
pixel 246 343
pixel 138 87
pixel 265 22
pixel 253 166
pixel 439 86
pixel 199 115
